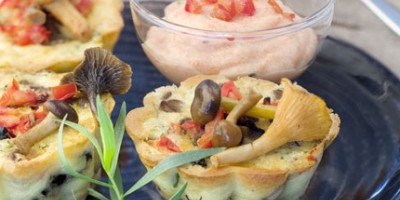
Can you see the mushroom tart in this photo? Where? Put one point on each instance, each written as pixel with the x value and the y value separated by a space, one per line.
pixel 30 108
pixel 53 34
pixel 274 136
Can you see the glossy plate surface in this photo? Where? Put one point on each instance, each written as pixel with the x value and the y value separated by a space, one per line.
pixel 362 163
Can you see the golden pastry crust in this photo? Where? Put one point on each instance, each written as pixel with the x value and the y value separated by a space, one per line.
pixel 106 23
pixel 283 173
pixel 39 173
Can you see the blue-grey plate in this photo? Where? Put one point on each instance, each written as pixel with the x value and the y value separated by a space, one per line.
pixel 362 163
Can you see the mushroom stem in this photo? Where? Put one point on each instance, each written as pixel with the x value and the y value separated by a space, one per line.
pixel 58 109
pixel 25 141
pixel 70 17
pixel 244 105
pixel 227 133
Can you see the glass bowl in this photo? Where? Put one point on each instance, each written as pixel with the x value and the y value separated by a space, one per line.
pixel 281 38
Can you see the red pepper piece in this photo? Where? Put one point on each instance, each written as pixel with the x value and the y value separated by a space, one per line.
pixel 169 144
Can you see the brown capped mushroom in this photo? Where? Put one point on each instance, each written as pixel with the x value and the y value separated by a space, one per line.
pixel 35 16
pixel 100 72
pixel 227 133
pixel 206 101
pixel 58 109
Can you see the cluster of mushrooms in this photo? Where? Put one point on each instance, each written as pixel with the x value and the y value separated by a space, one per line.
pixel 100 72
pixel 299 116
pixel 65 13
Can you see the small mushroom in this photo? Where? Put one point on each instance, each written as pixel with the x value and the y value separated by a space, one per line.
pixel 35 16
pixel 100 72
pixel 58 109
pixel 206 101
pixel 227 132
pixel 172 105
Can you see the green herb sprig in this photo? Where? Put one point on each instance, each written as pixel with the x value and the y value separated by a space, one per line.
pixel 111 140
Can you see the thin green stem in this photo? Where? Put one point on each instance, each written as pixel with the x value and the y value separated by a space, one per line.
pixel 115 186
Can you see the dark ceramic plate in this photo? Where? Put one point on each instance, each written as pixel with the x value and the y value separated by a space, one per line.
pixel 362 163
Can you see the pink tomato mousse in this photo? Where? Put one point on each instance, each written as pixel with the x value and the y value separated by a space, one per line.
pixel 268 55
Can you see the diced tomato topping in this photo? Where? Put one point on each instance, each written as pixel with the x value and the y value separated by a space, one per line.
pixel 84 6
pixel 64 91
pixel 168 143
pixel 247 7
pixel 8 111
pixel 205 141
pixel 192 128
pixel 193 6
pixel 17 125
pixel 229 89
pixel 279 10
pixel 18 27
pixel 13 96
pixel 9 121
pixel 196 6
pixel 222 9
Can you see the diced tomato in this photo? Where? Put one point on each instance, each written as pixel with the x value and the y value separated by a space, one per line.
pixel 245 7
pixel 24 123
pixel 279 10
pixel 168 143
pixel 39 116
pixel 26 35
pixel 191 128
pixel 193 6
pixel 18 27
pixel 229 89
pixel 9 121
pixel 205 141
pixel 9 3
pixel 84 6
pixel 64 91
pixel 224 10
pixel 13 96
pixel 8 111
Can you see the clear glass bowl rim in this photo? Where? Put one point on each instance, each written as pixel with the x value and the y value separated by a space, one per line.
pixel 306 22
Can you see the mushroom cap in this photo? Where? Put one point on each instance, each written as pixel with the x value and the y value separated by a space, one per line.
pixel 60 109
pixel 100 72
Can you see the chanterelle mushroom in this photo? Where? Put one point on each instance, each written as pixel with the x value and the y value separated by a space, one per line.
pixel 300 116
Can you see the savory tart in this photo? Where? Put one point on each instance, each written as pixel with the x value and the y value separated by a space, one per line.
pixel 274 135
pixel 53 34
pixel 29 106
